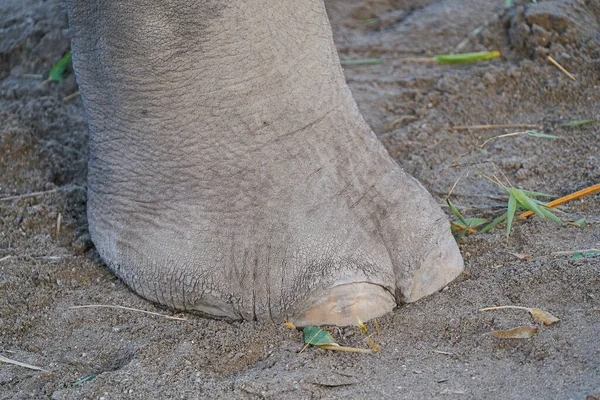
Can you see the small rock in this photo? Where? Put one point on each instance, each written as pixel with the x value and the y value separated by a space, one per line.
pixel 82 244
pixel 489 78
pixel 58 395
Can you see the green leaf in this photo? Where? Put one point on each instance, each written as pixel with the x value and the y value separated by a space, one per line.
pixel 466 57
pixel 474 222
pixel 549 215
pixel 532 206
pixel 536 194
pixel 83 380
pixel 541 135
pixel 364 61
pixel 455 211
pixel 512 207
pixel 493 224
pixel 579 122
pixel 316 336
pixel 57 72
pixel 508 3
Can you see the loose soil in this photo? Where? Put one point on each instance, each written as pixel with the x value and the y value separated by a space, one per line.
pixel 439 347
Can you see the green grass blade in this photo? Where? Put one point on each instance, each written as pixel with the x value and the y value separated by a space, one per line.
pixel 456 213
pixel 474 222
pixel 579 122
pixel 364 61
pixel 541 135
pixel 537 194
pixel 547 214
pixel 493 224
pixel 58 71
pixel 527 203
pixel 512 208
pixel 466 57
pixel 532 205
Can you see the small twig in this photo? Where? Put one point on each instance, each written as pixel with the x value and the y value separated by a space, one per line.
pixel 58 221
pixel 344 348
pixel 462 227
pixel 31 76
pixel 129 309
pixel 443 352
pixel 20 364
pixel 71 96
pixel 24 196
pixel 5 258
pixel 553 61
pixel 500 136
pixel 484 127
pixel 573 196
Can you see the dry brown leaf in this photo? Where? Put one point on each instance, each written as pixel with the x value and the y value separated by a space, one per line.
pixel 543 317
pixel 520 332
pixel 539 316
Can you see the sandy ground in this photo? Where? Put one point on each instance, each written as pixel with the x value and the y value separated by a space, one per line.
pixel 439 347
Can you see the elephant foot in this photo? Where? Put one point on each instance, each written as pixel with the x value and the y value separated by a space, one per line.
pixel 231 173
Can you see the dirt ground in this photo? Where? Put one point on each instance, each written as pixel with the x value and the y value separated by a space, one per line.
pixel 439 347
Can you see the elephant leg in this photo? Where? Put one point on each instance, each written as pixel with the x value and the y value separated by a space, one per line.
pixel 231 173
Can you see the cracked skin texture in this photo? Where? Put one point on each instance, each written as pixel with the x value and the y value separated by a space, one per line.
pixel 218 182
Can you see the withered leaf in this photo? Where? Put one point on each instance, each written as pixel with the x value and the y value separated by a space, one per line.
pixel 520 332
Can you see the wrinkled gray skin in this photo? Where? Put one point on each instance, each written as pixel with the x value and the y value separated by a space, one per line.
pixel 231 173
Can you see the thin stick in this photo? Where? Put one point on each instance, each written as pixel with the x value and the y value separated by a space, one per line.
pixel 462 227
pixel 58 221
pixel 344 348
pixel 453 186
pixel 484 127
pixel 553 61
pixel 129 309
pixel 500 136
pixel 446 353
pixel 573 196
pixel 71 96
pixel 503 307
pixel 5 258
pixel 24 196
pixel 20 364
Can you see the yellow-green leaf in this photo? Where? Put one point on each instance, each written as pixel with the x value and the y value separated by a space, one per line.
pixel 57 72
pixel 466 57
